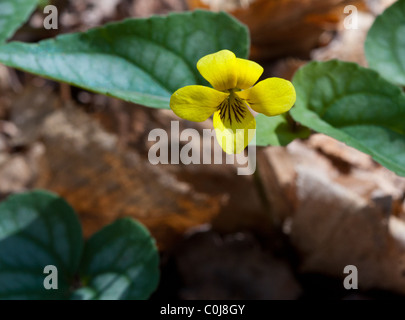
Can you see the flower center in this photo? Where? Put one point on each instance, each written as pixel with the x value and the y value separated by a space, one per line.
pixel 232 108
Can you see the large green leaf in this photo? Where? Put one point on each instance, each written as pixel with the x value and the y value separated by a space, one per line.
pixel 37 229
pixel 356 106
pixel 13 13
pixel 278 131
pixel 119 262
pixel 385 44
pixel 139 60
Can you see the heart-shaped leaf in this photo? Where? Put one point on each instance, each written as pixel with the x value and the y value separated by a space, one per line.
pixel 13 13
pixel 40 237
pixel 137 60
pixel 356 106
pixel 385 44
pixel 119 262
pixel 37 229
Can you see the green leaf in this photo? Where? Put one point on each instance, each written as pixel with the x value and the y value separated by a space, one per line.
pixel 37 229
pixel 385 44
pixel 277 131
pixel 120 262
pixel 140 60
pixel 13 13
pixel 354 105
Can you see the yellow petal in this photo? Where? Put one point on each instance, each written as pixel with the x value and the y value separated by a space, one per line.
pixel 271 97
pixel 219 69
pixel 248 72
pixel 196 103
pixel 233 136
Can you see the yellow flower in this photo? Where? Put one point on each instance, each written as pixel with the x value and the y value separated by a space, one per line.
pixel 233 92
